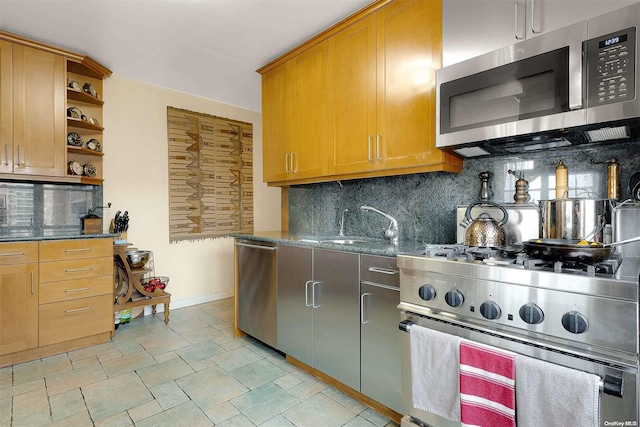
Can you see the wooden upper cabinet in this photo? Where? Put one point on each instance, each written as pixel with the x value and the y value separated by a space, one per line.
pixel 380 91
pixel 6 107
pixel 276 114
pixel 353 96
pixel 38 112
pixel 409 52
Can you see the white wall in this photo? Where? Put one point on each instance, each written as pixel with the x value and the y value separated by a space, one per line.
pixel 136 180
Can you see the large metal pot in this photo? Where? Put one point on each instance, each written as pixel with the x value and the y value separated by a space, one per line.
pixel 578 218
pixel 484 231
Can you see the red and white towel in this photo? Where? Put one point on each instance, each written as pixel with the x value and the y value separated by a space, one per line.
pixel 487 386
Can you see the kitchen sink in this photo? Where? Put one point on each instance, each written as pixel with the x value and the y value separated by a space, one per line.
pixel 344 241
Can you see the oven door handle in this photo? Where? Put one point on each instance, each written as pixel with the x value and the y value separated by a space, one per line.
pixel 405 325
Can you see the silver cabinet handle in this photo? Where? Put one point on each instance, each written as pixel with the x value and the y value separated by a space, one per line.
pixel 369 148
pixel 293 163
pixel 249 245
pixel 362 316
pixel 33 289
pixel 313 294
pixel 75 270
pixel 515 22
pixel 13 254
pixel 382 270
pixel 18 155
pixel 75 310
pixel 306 293
pixel 78 289
pixel 286 162
pixel 6 154
pixel 378 137
pixel 78 250
pixel 533 14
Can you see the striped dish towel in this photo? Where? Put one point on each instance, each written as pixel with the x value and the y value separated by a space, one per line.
pixel 487 386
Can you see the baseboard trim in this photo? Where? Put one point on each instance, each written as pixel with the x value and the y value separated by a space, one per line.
pixel 188 302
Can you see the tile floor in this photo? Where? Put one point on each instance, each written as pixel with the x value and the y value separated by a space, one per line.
pixel 191 372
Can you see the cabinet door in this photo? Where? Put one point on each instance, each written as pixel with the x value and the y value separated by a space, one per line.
pixel 352 55
pixel 336 323
pixel 38 112
pixel 408 55
pixel 295 315
pixel 6 108
pixel 276 114
pixel 380 345
pixel 18 307
pixel 310 87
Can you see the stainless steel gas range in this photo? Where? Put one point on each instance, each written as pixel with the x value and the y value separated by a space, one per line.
pixel 583 317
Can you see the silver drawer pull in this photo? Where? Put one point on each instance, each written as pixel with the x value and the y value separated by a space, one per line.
pixel 74 270
pixel 74 310
pixel 78 250
pixel 382 270
pixel 78 289
pixel 13 254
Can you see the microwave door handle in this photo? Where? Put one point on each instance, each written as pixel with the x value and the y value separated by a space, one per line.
pixel 515 22
pixel 576 73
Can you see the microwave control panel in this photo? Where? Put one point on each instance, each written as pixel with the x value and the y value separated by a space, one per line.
pixel 611 66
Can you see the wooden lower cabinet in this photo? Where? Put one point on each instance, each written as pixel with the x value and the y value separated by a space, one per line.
pixel 55 296
pixel 18 297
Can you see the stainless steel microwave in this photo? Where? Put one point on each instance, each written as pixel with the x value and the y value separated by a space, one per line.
pixel 574 85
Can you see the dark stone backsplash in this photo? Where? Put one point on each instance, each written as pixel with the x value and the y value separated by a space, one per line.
pixel 425 204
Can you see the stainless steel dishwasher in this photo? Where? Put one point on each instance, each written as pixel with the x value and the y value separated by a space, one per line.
pixel 257 289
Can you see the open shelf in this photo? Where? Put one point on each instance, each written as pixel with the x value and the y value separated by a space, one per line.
pixel 78 95
pixel 79 123
pixel 80 150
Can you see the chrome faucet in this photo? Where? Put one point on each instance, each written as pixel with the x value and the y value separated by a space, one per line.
pixel 392 231
pixel 341 232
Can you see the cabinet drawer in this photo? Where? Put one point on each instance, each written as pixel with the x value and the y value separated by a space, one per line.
pixel 75 249
pixel 18 253
pixel 75 269
pixel 68 290
pixel 380 269
pixel 68 320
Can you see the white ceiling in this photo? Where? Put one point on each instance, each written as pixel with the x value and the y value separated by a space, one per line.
pixel 208 48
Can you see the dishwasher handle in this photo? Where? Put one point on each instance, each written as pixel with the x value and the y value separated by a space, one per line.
pixel 249 245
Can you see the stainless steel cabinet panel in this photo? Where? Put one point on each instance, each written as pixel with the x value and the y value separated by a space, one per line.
pixel 295 313
pixel 380 347
pixel 336 327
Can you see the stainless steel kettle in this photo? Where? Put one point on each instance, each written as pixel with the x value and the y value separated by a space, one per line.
pixel 484 231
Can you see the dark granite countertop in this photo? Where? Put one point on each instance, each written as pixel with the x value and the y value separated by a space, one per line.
pixel 61 236
pixel 363 245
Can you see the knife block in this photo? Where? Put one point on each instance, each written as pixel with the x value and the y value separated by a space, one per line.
pixel 123 235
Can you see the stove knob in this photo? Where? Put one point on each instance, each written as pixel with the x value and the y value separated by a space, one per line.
pixel 575 322
pixel 454 298
pixel 490 310
pixel 427 292
pixel 531 314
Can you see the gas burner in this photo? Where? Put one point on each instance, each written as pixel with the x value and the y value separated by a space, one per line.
pixel 477 253
pixel 444 251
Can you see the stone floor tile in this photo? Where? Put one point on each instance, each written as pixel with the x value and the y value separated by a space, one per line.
pixel 188 313
pixel 6 372
pixel 235 358
pixel 160 373
pixel 114 395
pixel 208 390
pixel 258 373
pixel 186 414
pixel 40 419
pixel 227 330
pixel 81 419
pixel 7 382
pixel 237 421
pixel 261 349
pixel 145 410
pixel 27 372
pixel 344 400
pixel 163 357
pixel 308 388
pixel 87 361
pixel 133 330
pixel 121 419
pixel 231 344
pixel 277 421
pixel 169 395
pixel 66 381
pixel 199 351
pixel 6 409
pixel 64 405
pixel 203 334
pixel 21 388
pixel 223 339
pixel 202 364
pixel 319 410
pixel 95 350
pixel 222 413
pixel 276 358
pixel 287 381
pixel 188 325
pixel 114 354
pixel 264 403
pixel 162 341
pixel 34 404
pixel 374 417
pixel 124 364
pixel 359 422
pixel 128 346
